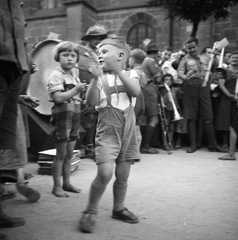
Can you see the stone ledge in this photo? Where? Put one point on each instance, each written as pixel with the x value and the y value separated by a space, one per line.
pixel 48 13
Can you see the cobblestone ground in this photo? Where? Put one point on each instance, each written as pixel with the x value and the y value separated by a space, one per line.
pixel 177 197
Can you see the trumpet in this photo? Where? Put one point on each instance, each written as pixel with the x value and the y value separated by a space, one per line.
pixel 177 116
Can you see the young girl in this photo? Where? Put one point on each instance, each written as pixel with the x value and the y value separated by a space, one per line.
pixel 64 90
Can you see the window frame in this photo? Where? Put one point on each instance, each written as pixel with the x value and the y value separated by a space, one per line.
pixel 148 30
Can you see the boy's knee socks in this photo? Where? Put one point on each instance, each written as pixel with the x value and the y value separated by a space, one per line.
pixel 96 192
pixel 119 194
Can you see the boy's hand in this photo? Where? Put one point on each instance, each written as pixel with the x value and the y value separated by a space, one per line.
pixel 96 70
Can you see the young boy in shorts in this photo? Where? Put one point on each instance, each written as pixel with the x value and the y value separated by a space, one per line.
pixel 113 93
pixel 64 89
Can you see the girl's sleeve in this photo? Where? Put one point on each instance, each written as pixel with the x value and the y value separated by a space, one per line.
pixel 55 82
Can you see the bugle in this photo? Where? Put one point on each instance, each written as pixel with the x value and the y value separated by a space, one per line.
pixel 177 116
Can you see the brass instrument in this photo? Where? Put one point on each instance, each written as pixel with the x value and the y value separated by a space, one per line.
pixel 164 122
pixel 163 119
pixel 177 116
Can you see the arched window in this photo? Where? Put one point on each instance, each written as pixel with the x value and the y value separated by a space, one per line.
pixel 138 33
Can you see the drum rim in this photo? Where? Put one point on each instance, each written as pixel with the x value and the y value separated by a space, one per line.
pixel 42 43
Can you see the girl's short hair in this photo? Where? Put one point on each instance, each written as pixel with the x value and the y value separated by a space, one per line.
pixel 167 75
pixel 66 46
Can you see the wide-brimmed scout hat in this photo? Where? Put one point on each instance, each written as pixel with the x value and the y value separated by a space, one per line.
pixel 95 31
pixel 152 47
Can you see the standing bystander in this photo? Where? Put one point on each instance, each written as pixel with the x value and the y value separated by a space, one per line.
pixel 196 98
pixel 13 64
pixel 64 90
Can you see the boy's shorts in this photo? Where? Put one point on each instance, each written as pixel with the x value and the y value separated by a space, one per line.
pixel 116 136
pixel 66 121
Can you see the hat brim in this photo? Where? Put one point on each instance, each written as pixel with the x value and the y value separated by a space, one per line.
pixel 220 69
pixel 89 37
pixel 152 50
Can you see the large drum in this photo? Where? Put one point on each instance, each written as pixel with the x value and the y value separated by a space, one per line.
pixel 43 57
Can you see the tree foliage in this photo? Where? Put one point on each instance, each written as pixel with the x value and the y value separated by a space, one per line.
pixel 195 11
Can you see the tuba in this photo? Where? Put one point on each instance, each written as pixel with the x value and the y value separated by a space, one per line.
pixel 177 116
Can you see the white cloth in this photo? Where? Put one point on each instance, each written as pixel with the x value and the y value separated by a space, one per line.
pixel 167 68
pixel 119 100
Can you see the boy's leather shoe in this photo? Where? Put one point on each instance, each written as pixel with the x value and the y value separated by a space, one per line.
pixel 125 215
pixel 87 222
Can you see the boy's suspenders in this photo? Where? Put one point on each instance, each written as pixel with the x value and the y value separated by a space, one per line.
pixel 114 89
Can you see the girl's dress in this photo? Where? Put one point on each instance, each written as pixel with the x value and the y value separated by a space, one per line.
pixel 222 114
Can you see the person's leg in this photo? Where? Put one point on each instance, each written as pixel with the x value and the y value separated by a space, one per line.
pixel 210 133
pixel 150 128
pixel 170 138
pixel 91 119
pixel 61 151
pixel 67 186
pixel 122 172
pixel 232 146
pixel 6 221
pixel 98 186
pixel 31 194
pixel 192 135
pixel 200 133
pixel 9 94
pixel 21 149
pixel 119 193
pixel 225 139
pixel 233 140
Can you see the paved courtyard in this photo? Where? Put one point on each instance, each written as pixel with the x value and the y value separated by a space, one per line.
pixel 177 197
